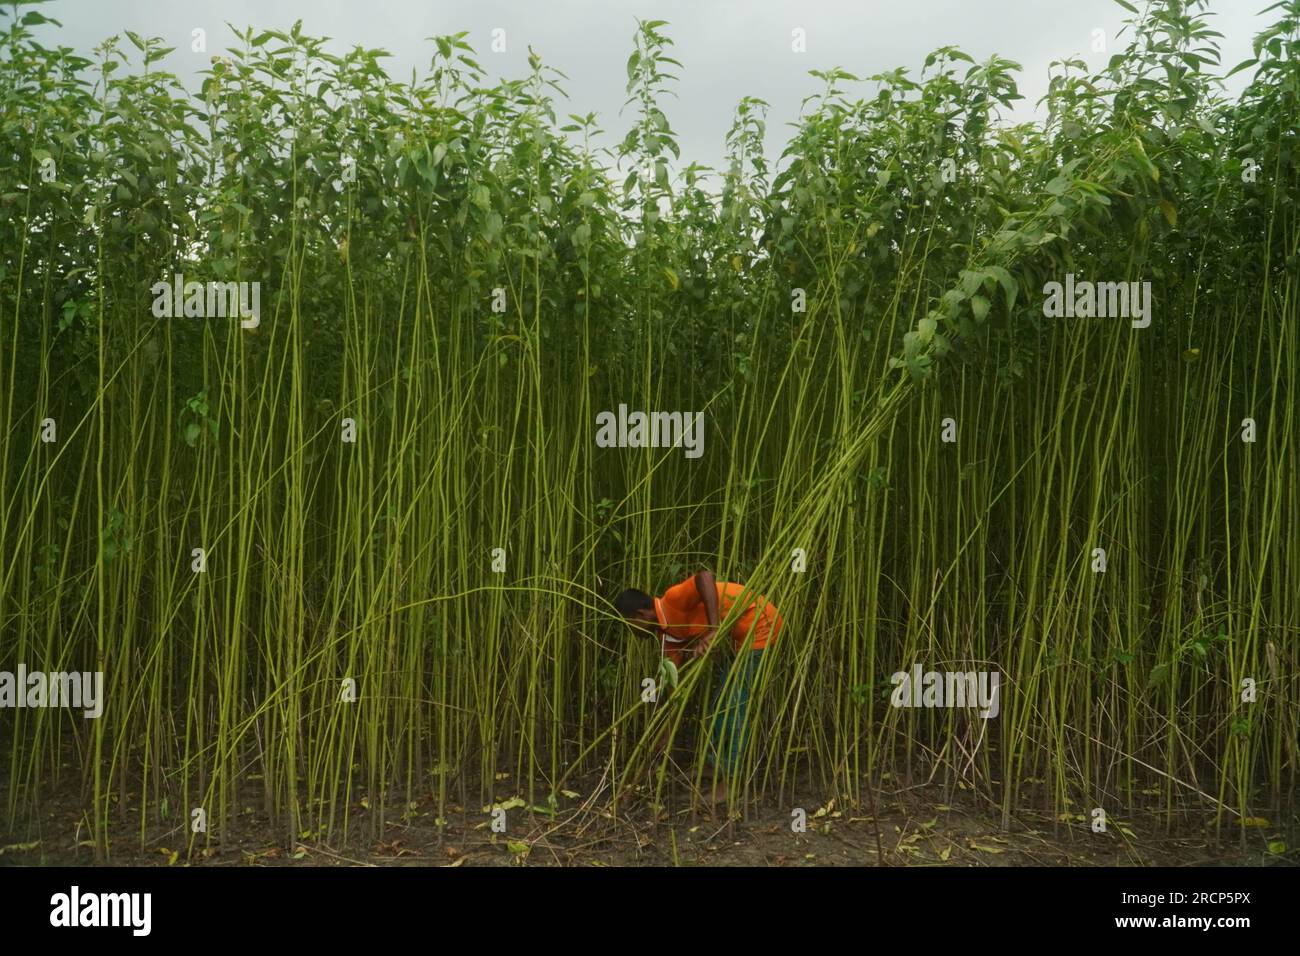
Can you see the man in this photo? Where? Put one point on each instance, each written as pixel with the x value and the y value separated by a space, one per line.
pixel 686 620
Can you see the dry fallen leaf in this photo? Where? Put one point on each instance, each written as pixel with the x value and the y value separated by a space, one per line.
pixel 19 846
pixel 506 804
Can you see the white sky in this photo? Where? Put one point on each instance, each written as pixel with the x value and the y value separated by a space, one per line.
pixel 729 48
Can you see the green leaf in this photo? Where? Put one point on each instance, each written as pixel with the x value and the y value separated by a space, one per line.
pixel 1009 285
pixel 661 175
pixel 1158 675
pixel 1171 214
pixel 979 307
pixel 911 346
pixel 970 281
pixel 1243 65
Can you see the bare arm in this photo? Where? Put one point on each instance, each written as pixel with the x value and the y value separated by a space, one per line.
pixel 707 585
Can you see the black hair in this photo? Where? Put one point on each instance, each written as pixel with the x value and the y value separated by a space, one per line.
pixel 632 600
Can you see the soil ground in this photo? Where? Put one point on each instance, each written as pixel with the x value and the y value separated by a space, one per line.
pixel 921 825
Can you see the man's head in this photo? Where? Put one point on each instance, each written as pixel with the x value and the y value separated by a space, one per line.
pixel 638 609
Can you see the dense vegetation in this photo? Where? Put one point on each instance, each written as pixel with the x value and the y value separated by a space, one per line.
pixel 826 312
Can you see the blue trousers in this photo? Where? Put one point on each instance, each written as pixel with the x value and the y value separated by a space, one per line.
pixel 730 726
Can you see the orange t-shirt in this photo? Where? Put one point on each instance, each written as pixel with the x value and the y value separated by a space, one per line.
pixel 683 619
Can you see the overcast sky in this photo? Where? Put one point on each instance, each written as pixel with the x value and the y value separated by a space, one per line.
pixel 729 48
